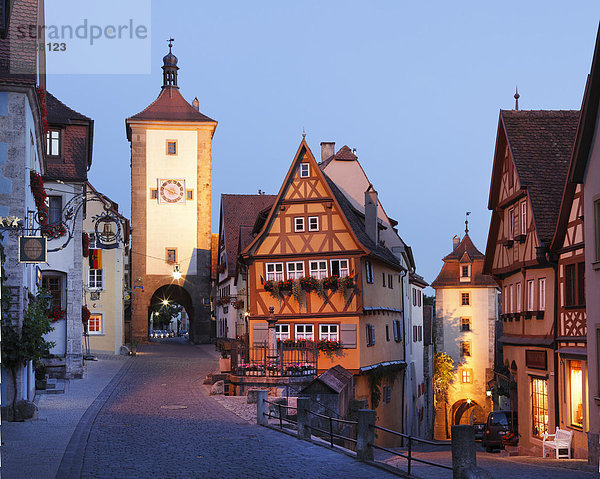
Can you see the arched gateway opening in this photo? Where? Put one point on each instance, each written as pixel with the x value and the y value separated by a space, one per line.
pixel 168 296
pixel 467 411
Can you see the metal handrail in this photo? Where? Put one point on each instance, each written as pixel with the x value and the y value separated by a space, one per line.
pixel 278 404
pixel 409 457
pixel 333 418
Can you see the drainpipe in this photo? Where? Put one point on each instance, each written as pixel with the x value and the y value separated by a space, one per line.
pixel 554 264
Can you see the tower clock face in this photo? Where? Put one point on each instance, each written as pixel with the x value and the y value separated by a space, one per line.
pixel 171 191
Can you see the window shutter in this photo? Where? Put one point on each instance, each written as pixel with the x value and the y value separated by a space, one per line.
pixel 260 334
pixel 348 335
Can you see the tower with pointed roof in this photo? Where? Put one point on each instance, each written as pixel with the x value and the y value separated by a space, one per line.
pixel 171 145
pixel 466 302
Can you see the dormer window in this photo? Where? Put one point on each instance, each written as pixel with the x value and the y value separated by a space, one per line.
pixel 53 143
pixel 304 170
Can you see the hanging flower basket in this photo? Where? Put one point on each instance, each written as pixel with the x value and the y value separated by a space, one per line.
pixel 56 313
pixel 44 110
pixel 329 346
pixel 239 304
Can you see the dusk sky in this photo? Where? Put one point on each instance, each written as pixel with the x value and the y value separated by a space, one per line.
pixel 415 87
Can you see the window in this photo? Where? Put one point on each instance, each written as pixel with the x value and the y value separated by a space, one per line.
pixel 304 331
pixel 95 279
pixel 420 331
pixel 539 405
pixel 189 194
pixel 93 244
pixel 318 269
pixel 387 394
pixel 387 332
pixel 464 271
pixel 328 332
pixel 274 271
pixel 295 270
pixel 397 331
pixel 95 324
pixel 518 309
pixel 523 229
pixel 53 143
pixel 282 332
pixel 369 271
pixel 171 255
pixel 419 294
pixel 313 223
pixel 54 285
pixel 54 209
pixel 171 147
pixel 390 281
pixel 542 292
pixel 506 300
pixel 465 348
pixel 304 170
pixel 465 324
pixel 574 284
pixel 414 292
pixel 153 193
pixel 511 295
pixel 511 224
pixel 415 334
pixel 530 295
pixel 370 335
pixel 465 299
pixel 340 268
pixel 466 375
pixel 576 393
pixel 383 274
pixel 298 224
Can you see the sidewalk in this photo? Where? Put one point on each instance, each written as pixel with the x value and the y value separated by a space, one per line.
pixel 34 449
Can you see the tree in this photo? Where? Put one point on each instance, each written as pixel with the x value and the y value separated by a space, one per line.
pixel 164 314
pixel 428 300
pixel 443 376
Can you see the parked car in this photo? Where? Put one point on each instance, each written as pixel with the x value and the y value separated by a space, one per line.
pixel 479 430
pixel 498 424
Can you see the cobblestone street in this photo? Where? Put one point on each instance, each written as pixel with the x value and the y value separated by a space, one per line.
pixel 160 422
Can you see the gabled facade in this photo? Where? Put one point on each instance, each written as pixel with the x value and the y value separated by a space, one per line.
pixel 236 221
pixel 68 152
pixel 105 278
pixel 533 150
pixel 466 305
pixel 314 231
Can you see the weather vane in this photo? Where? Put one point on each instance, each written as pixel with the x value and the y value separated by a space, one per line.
pixel 170 40
pixel 467 222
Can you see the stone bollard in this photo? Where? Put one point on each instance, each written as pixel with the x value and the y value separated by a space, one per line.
pixel 365 435
pixel 464 459
pixel 302 407
pixel 262 407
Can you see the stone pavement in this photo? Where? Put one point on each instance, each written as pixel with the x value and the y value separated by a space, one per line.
pixel 34 449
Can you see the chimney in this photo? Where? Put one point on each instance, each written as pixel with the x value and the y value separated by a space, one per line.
pixel 455 241
pixel 327 149
pixel 196 104
pixel 371 227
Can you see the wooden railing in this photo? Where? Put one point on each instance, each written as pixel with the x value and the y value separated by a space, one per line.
pixel 291 360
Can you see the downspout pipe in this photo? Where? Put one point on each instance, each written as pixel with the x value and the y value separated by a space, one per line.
pixel 553 261
pixel 404 388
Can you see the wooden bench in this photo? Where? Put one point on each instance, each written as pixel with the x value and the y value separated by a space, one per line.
pixel 561 439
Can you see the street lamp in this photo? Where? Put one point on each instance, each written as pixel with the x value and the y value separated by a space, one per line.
pixel 176 273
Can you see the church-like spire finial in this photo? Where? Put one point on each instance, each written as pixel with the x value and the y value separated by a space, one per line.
pixel 170 67
pixel 303 133
pixel 517 96
pixel 467 222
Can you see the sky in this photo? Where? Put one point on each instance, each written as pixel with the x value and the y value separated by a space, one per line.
pixel 415 87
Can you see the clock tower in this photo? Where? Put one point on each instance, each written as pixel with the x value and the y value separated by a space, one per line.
pixel 171 143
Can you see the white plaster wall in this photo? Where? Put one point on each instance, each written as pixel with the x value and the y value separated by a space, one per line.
pixel 173 225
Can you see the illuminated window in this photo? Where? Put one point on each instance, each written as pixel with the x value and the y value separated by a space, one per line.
pixel 576 387
pixel 304 170
pixel 171 147
pixel 328 332
pixel 539 405
pixel 466 375
pixel 274 271
pixel 304 331
pixel 282 332
pixel 465 299
pixel 465 324
pixel 465 348
pixel 313 223
pixel 295 270
pixel 318 269
pixel 298 224
pixel 95 325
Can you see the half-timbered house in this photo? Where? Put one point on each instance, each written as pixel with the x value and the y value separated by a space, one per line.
pixel 533 150
pixel 319 264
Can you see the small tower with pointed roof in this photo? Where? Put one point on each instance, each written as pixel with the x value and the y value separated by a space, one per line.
pixel 466 303
pixel 171 162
